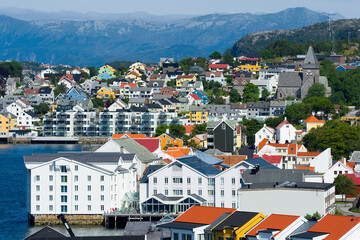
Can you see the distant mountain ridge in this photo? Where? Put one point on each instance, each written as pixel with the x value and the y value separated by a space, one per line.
pixel 318 32
pixel 96 42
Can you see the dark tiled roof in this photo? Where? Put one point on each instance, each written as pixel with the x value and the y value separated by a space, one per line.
pixel 263 164
pixel 237 219
pixel 309 235
pixel 181 225
pixel 32 114
pixel 45 233
pixel 199 165
pixel 45 90
pixel 276 175
pixel 290 79
pixel 150 169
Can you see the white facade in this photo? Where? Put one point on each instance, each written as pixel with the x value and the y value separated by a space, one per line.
pixel 322 162
pixel 18 107
pixel 285 133
pixel 337 169
pixel 293 201
pixel 27 120
pixel 264 132
pixel 67 186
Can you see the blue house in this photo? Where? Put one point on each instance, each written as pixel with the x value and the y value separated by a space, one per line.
pixel 203 95
pixel 346 67
pixel 74 93
pixel 105 76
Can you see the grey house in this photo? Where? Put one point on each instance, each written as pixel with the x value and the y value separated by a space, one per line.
pixel 222 135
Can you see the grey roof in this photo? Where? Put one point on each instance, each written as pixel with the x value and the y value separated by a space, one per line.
pixel 32 114
pixel 137 100
pixel 287 184
pixel 309 235
pixel 152 105
pixel 166 198
pixel 236 220
pixel 195 84
pixel 355 156
pixel 311 61
pixel 278 103
pixel 276 175
pixel 263 164
pixel 158 83
pixel 214 151
pixel 45 90
pixel 160 96
pixel 213 124
pixel 132 146
pixel 4 113
pixel 217 221
pixel 304 227
pixel 147 228
pixel 164 102
pixel 181 225
pixel 197 197
pixel 209 159
pixel 258 104
pixel 45 233
pixel 290 79
pixel 199 165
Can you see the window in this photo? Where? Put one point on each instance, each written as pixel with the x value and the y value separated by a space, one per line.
pixel 51 167
pixel 102 178
pixel 188 192
pixel 102 188
pixel 211 192
pixel 89 197
pixel 223 126
pixel 76 207
pixel 102 197
pixel 155 191
pixel 63 208
pixel 51 197
pixel 76 188
pixel 63 198
pixel 233 205
pixel 340 172
pixel 177 192
pixel 177 180
pixel 188 180
pixel 233 180
pixel 63 169
pixel 166 180
pixel 211 181
pixel 233 192
pixel 76 178
pixel 176 236
pixel 51 188
pixel 63 188
pixel 199 192
pixel 37 178
pixel 222 205
pixel 63 178
pixel 155 180
pixel 222 192
pixel 166 192
pixel 37 187
pixel 222 181
pixel 51 178
pixel 89 207
pixel 76 167
pixel 335 172
pixel 76 197
pixel 89 178
pixel 51 207
pixel 102 207
pixel 37 207
pixel 89 188
pixel 37 197
pixel 199 180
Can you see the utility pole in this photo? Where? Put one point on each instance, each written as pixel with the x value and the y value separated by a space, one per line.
pixel 331 36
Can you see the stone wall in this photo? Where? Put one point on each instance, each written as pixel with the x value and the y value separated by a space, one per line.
pixel 72 219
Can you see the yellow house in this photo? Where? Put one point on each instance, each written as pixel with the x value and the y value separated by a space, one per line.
pixel 182 78
pixel 237 225
pixel 312 122
pixel 108 67
pixel 105 93
pixel 250 68
pixel 168 139
pixel 197 115
pixel 8 121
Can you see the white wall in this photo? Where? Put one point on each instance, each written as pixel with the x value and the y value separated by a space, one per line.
pixel 339 168
pixel 322 162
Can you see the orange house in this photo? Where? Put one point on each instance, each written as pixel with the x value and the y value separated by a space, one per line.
pixel 171 140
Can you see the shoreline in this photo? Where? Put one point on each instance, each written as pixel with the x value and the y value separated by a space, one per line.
pixel 58 140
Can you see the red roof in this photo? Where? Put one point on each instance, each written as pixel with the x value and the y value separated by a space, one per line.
pixel 271 158
pixel 152 144
pixel 313 119
pixel 131 135
pixel 167 161
pixel 336 226
pixel 217 74
pixel 282 124
pixel 185 151
pixel 262 143
pixel 355 177
pixel 218 65
pixel 349 67
pixel 194 96
pixel 308 154
pixel 185 76
pixel 203 214
pixel 274 221
pixel 122 85
pixel 189 128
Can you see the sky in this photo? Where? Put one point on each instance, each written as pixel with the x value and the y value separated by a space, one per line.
pixel 347 8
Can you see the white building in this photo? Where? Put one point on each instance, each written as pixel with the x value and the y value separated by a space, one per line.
pixel 339 168
pixel 27 120
pixel 18 107
pixel 215 76
pixel 78 183
pixel 295 198
pixel 265 132
pixel 285 132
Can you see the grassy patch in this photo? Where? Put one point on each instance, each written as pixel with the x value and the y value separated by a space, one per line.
pixel 354 210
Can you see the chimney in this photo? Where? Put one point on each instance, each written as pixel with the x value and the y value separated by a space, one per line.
pixel 121 149
pixel 167 131
pixel 285 118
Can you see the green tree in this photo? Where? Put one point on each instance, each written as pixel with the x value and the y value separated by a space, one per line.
pixel 144 77
pixel 84 76
pixel 171 83
pixel 215 55
pixel 337 98
pixel 218 100
pixel 98 103
pixel 297 112
pixel 234 96
pixel 198 129
pixel 342 138
pixel 2 86
pixel 265 94
pixel 161 129
pixel 274 122
pixel 318 104
pixel 250 93
pixel 252 127
pixel 315 217
pixel 177 130
pixel 345 186
pixel 42 108
pixel 93 71
pixel 227 58
pixel 316 90
pixel 14 67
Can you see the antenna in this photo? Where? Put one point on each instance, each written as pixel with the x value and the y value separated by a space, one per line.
pixel 331 35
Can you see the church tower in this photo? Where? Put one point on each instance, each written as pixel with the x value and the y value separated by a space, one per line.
pixel 311 71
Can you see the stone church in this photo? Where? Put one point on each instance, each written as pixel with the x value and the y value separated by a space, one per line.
pixel 297 84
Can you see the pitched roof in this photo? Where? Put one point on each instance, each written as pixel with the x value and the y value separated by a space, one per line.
pixel 150 169
pixel 131 135
pixel 274 159
pixel 237 220
pixel 152 144
pixel 308 154
pixel 290 79
pixel 189 128
pixel 263 164
pixel 199 165
pixel 186 151
pixel 194 96
pixel 355 177
pixel 274 221
pixel 349 67
pixel 218 65
pixel 276 175
pixel 285 122
pixel 203 214
pixel 336 226
pixel 313 119
pixel 262 143
pixel 132 146
pixel 231 160
pixel 175 153
pixel 46 233
pixel 311 61
pixel 207 158
pixel 216 74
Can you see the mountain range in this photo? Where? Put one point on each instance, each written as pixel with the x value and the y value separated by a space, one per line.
pixel 95 42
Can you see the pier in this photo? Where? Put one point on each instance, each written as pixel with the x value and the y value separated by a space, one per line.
pixel 51 140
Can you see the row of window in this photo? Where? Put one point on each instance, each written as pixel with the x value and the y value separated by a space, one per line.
pixel 65 188
pixel 211 181
pixel 64 208
pixel 64 198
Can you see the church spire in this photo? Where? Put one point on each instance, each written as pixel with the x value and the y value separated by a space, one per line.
pixel 311 61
